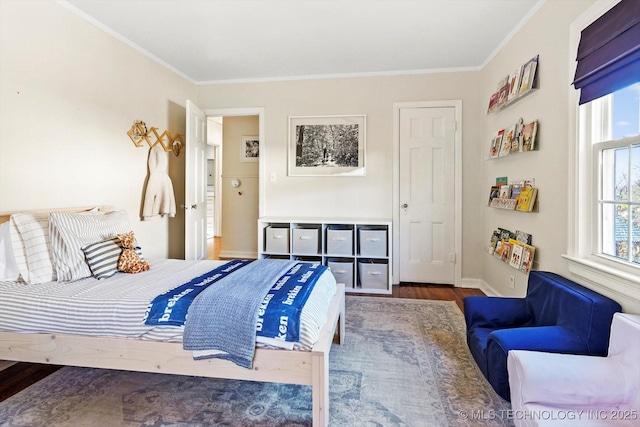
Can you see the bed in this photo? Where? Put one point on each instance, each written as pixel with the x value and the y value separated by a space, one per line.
pixel 164 353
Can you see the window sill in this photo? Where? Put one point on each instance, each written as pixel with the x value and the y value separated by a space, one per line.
pixel 614 280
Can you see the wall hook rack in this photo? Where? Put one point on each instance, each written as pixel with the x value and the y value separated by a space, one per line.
pixel 169 141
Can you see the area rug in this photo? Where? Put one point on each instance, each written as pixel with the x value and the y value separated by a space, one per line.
pixel 404 363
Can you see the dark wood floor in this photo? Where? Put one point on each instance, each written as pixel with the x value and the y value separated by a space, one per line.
pixel 21 375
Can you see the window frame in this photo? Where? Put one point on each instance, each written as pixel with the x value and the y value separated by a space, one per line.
pixel 586 126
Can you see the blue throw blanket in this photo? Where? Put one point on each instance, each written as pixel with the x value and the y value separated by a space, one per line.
pixel 224 317
pixel 171 307
pixel 279 313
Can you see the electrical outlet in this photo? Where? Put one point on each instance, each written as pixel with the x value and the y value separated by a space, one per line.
pixel 512 282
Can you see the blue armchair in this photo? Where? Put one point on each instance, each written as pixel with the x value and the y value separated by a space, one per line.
pixel 556 316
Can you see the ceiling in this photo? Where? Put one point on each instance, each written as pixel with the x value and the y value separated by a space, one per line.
pixel 211 41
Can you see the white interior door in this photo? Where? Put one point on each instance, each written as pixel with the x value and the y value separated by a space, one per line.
pixel 427 196
pixel 195 184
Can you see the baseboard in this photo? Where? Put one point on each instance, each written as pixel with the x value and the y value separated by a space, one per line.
pixel 238 255
pixel 471 283
pixel 488 290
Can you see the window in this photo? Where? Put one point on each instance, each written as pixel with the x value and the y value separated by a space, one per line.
pixel 615 149
pixel 604 178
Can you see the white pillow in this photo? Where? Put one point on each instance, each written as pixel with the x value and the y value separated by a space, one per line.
pixel 8 267
pixel 31 247
pixel 70 232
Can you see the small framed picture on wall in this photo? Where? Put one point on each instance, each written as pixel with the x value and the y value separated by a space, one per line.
pixel 250 149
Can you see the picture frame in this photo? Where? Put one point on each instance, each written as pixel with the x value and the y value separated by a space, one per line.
pixel 250 149
pixel 327 145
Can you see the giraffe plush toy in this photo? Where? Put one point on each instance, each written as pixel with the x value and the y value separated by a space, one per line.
pixel 129 261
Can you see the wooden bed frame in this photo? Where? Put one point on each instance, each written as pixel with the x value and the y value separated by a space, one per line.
pixel 269 365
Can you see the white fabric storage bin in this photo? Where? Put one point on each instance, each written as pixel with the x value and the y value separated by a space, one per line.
pixel 305 241
pixel 373 275
pixel 339 242
pixel 342 271
pixel 277 240
pixel 373 243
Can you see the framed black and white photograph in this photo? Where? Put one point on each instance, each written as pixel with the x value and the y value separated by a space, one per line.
pixel 327 145
pixel 250 149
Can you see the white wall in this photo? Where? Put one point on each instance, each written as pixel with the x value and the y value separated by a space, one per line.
pixel 355 197
pixel 68 94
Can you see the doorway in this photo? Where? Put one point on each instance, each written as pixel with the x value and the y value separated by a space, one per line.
pixel 427 200
pixel 236 192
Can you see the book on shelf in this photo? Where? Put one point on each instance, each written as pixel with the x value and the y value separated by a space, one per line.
pixel 503 94
pixel 496 144
pixel 515 260
pixel 522 237
pixel 505 146
pixel 509 136
pixel 493 242
pixel 529 132
pixel 495 191
pixel 493 101
pixel 516 141
pixel 528 75
pixel 528 253
pixel 514 83
pixel 505 234
pixel 527 199
pixel 505 255
pixel 498 250
pixel 505 192
pixel 515 191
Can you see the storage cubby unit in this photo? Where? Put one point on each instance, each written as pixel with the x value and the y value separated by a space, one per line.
pixel 358 252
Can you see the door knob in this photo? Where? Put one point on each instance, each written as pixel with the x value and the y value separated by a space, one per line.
pixel 405 206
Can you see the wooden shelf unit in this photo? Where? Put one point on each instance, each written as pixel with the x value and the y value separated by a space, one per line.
pixel 359 250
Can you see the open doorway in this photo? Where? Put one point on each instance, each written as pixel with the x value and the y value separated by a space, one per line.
pixel 233 188
pixel 214 185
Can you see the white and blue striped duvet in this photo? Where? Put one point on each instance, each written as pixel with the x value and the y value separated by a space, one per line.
pixel 116 306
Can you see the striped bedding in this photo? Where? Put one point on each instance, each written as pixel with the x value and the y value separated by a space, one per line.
pixel 116 306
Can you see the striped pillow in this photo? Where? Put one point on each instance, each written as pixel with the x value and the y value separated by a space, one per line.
pixel 70 232
pixel 32 248
pixel 103 257
pixel 9 271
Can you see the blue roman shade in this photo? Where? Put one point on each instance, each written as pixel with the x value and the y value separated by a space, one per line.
pixel 609 52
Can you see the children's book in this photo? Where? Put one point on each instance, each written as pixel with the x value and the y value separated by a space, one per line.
pixel 528 253
pixel 528 75
pixel 514 83
pixel 505 256
pixel 505 148
pixel 495 191
pixel 529 132
pixel 505 192
pixel 516 255
pixel 522 237
pixel 496 144
pixel 527 199
pixel 495 238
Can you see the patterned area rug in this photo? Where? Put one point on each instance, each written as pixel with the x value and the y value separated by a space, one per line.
pixel 404 363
